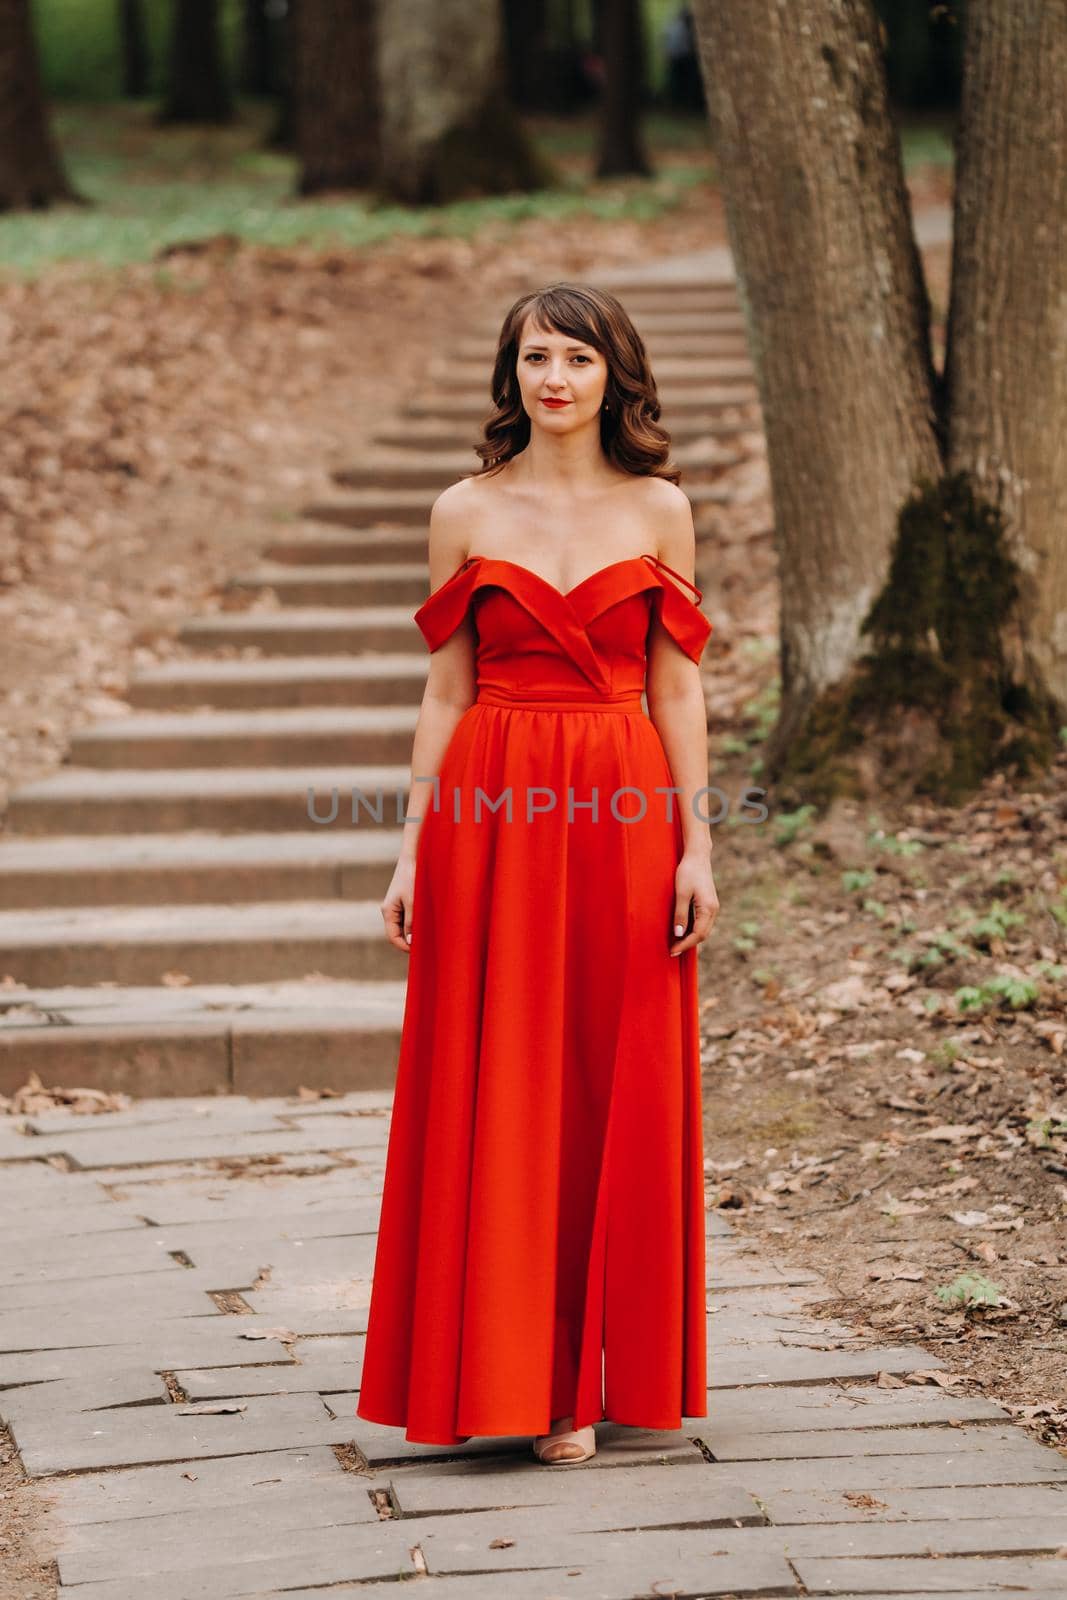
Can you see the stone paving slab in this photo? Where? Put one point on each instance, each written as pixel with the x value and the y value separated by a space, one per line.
pixel 219 1340
pixel 499 1540
pixel 138 1435
pixel 320 1557
pixel 61 1398
pixel 179 1293
pixel 957 1576
pixel 807 1407
pixel 741 1445
pixel 659 1495
pixel 174 1541
pixel 142 1147
pixel 1024 1462
pixel 790 1365
pixel 181 1488
pixel 918 1505
pixel 324 1371
pixel 617 1446
pixel 591 1582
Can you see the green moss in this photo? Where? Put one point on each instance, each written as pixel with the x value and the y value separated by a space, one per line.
pixel 933 700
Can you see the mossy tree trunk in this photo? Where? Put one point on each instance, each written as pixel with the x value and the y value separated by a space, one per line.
pixel 622 149
pixel 868 501
pixel 1006 356
pixel 198 89
pixel 31 173
pixel 448 128
pixel 336 104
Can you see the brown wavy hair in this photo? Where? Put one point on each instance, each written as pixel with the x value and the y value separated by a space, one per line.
pixel 630 431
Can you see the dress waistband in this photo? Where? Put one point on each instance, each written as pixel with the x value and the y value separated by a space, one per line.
pixel 628 702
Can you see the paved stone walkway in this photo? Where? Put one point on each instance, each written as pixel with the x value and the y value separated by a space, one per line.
pixel 184 1288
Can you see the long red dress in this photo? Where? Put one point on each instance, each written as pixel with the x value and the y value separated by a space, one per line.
pixel 541 1244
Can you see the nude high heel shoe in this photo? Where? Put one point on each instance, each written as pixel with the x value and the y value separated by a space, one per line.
pixel 566 1449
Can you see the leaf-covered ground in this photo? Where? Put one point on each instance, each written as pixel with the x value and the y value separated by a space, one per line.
pixel 886 1027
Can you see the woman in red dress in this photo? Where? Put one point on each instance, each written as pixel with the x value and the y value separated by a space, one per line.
pixel 540 1262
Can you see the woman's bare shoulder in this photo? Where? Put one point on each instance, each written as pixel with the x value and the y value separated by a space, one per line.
pixel 662 498
pixel 463 499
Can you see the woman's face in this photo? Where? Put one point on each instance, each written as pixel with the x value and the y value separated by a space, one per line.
pixel 562 380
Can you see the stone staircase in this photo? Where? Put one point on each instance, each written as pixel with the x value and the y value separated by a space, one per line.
pixel 174 920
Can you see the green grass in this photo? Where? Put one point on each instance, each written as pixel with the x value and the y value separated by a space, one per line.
pixel 149 187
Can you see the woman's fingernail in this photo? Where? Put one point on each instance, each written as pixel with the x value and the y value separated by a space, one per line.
pixel 679 930
pixel 407 936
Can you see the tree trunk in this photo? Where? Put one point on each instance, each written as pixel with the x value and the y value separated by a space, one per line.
pixel 1006 357
pixel 282 135
pixel 133 41
pixel 524 42
pixel 198 90
pixel 835 305
pixel 336 106
pixel 622 152
pixel 448 129
pixel 898 589
pixel 31 173
pixel 258 74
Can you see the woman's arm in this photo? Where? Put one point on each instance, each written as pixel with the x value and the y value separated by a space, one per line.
pixel 449 691
pixel 675 696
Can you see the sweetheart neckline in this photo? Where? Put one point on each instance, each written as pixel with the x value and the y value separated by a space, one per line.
pixel 566 594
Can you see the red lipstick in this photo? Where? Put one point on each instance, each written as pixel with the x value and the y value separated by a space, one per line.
pixel 555 404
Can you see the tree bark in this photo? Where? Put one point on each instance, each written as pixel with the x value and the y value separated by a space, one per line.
pixel 836 309
pixel 336 101
pixel 31 173
pixel 1006 355
pixel 198 89
pixel 258 72
pixel 133 41
pixel 448 129
pixel 622 151
pixel 920 512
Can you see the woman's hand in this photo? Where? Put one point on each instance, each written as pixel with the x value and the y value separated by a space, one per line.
pixel 398 906
pixel 694 883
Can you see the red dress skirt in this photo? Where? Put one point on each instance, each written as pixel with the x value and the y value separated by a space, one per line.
pixel 541 1245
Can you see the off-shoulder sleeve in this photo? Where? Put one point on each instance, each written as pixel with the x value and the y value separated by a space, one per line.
pixel 682 617
pixel 439 616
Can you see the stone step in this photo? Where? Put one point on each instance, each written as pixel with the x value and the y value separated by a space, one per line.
pixel 431 435
pixel 361 506
pixel 368 507
pixel 700 401
pixel 187 868
pixel 385 679
pixel 256 1039
pixel 666 289
pixel 79 800
pixel 340 584
pixel 365 544
pixel 306 735
pixel 672 374
pixel 306 630
pixel 254 942
pixel 437 469
pixel 655 316
pixel 345 547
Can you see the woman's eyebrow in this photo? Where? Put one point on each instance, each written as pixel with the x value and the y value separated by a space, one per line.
pixel 528 346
